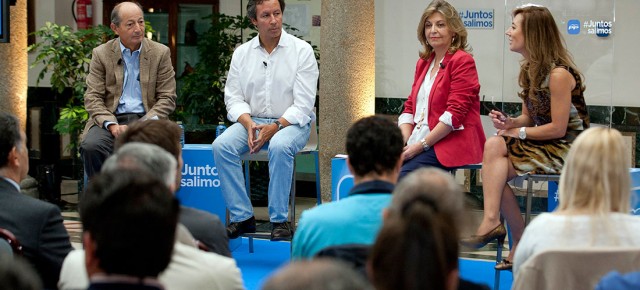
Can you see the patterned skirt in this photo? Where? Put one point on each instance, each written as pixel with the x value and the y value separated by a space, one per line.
pixel 537 157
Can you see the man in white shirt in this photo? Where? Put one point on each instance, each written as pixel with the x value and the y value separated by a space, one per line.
pixel 270 92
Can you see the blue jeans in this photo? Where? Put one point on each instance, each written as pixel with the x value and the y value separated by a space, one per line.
pixel 282 149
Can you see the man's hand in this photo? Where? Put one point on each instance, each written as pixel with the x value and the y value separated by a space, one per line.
pixel 117 129
pixel 266 132
pixel 247 122
pixel 410 151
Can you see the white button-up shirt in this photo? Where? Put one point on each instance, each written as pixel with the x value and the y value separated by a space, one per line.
pixel 280 84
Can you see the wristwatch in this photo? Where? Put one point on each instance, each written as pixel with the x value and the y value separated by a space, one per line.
pixel 425 146
pixel 522 134
pixel 279 125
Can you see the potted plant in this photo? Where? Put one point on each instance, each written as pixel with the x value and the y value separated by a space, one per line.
pixel 66 55
pixel 201 91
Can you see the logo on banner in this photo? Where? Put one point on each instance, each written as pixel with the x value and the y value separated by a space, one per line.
pixel 199 176
pixel 573 26
pixel 477 18
pixel 601 28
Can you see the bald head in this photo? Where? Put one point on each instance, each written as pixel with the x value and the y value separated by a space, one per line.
pixel 116 18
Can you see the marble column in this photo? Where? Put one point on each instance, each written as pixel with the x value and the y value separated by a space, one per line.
pixel 13 71
pixel 347 75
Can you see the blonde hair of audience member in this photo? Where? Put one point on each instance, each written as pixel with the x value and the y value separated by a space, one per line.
pixel 453 21
pixel 595 178
pixel 539 27
pixel 317 274
pixel 420 232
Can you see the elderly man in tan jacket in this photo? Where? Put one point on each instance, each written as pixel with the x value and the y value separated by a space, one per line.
pixel 130 78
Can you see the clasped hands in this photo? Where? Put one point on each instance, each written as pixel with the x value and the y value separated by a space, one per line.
pixel 410 151
pixel 117 129
pixel 504 124
pixel 260 134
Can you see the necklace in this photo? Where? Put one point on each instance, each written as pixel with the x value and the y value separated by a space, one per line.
pixel 431 74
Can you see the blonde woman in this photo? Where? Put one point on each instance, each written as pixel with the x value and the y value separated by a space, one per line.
pixel 440 122
pixel 594 208
pixel 537 141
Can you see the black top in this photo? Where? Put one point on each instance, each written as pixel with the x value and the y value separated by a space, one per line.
pixel 372 187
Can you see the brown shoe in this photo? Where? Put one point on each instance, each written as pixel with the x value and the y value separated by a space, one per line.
pixel 504 265
pixel 236 229
pixel 477 241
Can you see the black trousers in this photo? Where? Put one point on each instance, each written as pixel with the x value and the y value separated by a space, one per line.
pixel 97 145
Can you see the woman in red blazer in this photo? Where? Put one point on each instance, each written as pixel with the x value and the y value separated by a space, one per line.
pixel 441 119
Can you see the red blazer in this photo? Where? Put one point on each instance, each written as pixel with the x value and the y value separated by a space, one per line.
pixel 455 90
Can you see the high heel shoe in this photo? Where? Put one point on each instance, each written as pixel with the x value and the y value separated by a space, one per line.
pixel 479 241
pixel 504 265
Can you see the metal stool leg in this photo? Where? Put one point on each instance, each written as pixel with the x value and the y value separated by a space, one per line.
pixel 318 191
pixel 496 277
pixel 527 214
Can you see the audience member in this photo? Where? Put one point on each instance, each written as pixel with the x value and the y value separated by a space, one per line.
pixel 536 142
pixel 207 228
pixel 318 274
pixel 129 219
pixel 594 206
pixel 270 93
pixel 417 247
pixel 440 122
pixel 35 223
pixel 190 268
pixel 374 147
pixel 17 274
pixel 130 78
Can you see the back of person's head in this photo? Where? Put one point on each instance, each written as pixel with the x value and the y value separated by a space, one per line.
pixel 420 233
pixel 129 217
pixel 374 145
pixel 595 177
pixel 544 45
pixel 454 23
pixel 164 133
pixel 17 273
pixel 145 157
pixel 317 274
pixel 9 136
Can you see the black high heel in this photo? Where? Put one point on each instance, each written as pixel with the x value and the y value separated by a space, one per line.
pixel 479 241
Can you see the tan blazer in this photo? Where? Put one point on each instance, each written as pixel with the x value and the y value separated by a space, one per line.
pixel 106 76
